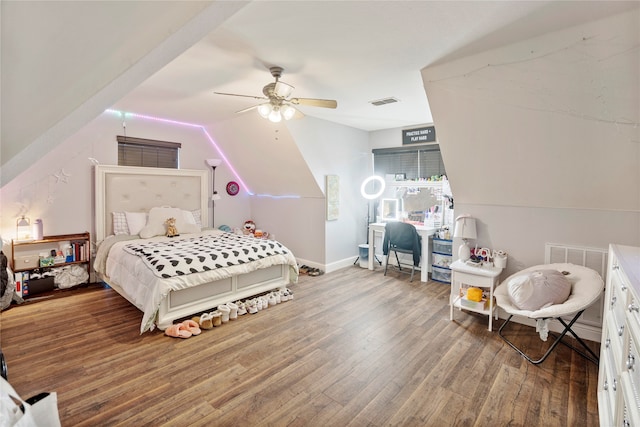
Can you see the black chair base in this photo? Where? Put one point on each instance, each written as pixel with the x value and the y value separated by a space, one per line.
pixel 592 357
pixel 386 264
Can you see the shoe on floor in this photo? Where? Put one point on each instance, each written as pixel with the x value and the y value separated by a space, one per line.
pixel 178 331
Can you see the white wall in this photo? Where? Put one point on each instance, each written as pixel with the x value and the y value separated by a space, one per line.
pixel 541 140
pixel 332 149
pixel 58 188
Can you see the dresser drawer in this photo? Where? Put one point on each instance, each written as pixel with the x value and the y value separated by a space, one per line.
pixel 607 392
pixel 618 299
pixel 632 359
pixel 630 413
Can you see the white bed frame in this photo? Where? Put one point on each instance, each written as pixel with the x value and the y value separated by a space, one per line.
pixel 135 189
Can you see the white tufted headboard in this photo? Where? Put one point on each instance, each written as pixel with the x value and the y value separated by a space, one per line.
pixel 136 189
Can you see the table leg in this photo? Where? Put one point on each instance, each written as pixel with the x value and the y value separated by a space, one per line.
pixel 372 252
pixel 426 259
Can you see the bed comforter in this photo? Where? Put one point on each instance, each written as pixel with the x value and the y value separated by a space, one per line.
pixel 146 290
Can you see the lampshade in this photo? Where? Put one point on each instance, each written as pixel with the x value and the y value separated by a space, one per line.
pixel 275 115
pixel 264 110
pixel 276 112
pixel 288 112
pixel 214 163
pixel 465 227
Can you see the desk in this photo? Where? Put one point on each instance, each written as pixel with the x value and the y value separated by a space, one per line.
pixel 425 232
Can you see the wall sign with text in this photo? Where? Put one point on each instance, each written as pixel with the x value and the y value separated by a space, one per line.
pixel 419 135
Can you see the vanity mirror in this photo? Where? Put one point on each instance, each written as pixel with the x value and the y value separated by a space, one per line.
pixel 390 210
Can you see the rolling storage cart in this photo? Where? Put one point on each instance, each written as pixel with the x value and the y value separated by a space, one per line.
pixel 441 260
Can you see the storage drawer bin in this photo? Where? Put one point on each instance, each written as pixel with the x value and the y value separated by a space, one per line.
pixel 38 286
pixel 440 260
pixel 441 274
pixel 442 246
pixel 26 262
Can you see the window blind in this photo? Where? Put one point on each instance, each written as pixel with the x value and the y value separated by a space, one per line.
pixel 148 152
pixel 414 162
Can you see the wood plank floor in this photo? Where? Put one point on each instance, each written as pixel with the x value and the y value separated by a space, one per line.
pixel 354 348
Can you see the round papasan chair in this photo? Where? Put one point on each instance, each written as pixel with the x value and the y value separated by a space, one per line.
pixel 586 286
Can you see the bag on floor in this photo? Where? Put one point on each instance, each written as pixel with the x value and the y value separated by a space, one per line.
pixel 39 411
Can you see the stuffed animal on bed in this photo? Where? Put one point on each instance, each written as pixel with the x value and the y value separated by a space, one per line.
pixel 249 227
pixel 172 231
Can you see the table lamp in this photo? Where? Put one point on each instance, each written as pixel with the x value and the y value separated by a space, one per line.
pixel 465 229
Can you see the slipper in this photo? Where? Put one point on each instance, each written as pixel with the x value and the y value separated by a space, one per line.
pixel 177 331
pixel 192 327
pixel 303 269
pixel 205 321
pixel 315 272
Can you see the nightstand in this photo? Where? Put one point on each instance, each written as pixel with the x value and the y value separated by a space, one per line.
pixel 464 276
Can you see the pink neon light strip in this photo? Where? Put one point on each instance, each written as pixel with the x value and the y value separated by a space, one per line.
pixel 175 122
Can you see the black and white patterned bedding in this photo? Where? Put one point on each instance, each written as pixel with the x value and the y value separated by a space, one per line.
pixel 186 255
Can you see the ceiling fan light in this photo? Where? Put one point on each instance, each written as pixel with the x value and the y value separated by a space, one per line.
pixel 264 110
pixel 275 116
pixel 288 112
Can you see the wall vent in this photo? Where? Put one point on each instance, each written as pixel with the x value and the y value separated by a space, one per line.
pixel 384 101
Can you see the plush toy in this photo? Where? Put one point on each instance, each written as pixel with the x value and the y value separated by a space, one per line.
pixel 172 231
pixel 474 294
pixel 249 227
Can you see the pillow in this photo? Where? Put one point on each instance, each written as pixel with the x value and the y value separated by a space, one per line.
pixel 188 217
pixel 538 289
pixel 136 221
pixel 157 216
pixel 197 215
pixel 120 223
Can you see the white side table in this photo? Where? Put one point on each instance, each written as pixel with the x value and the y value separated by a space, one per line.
pixel 466 276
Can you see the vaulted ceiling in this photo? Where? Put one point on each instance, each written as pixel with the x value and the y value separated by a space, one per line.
pixel 63 63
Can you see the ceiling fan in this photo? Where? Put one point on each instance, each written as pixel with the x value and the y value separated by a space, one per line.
pixel 279 105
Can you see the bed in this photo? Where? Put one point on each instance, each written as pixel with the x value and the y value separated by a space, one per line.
pixel 129 264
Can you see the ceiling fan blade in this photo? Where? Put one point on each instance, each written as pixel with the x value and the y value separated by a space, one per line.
pixel 244 96
pixel 324 103
pixel 244 110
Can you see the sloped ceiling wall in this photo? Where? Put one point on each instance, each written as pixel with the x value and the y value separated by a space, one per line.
pixel 548 122
pixel 266 156
pixel 41 109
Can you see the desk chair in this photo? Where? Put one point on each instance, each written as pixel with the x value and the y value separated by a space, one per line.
pixel 404 238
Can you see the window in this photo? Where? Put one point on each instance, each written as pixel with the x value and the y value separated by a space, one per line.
pixel 415 162
pixel 148 153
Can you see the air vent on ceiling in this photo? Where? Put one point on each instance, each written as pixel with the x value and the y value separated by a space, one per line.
pixel 384 101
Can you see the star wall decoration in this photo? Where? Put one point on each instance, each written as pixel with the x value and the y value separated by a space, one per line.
pixel 62 176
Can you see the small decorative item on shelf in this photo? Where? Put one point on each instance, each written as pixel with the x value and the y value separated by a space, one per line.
pixel 500 259
pixel 38 229
pixel 46 260
pixel 23 229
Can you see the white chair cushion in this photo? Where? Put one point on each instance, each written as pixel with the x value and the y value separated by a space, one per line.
pixel 586 288
pixel 539 288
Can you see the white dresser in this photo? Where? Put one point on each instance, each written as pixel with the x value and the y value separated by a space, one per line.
pixel 619 370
